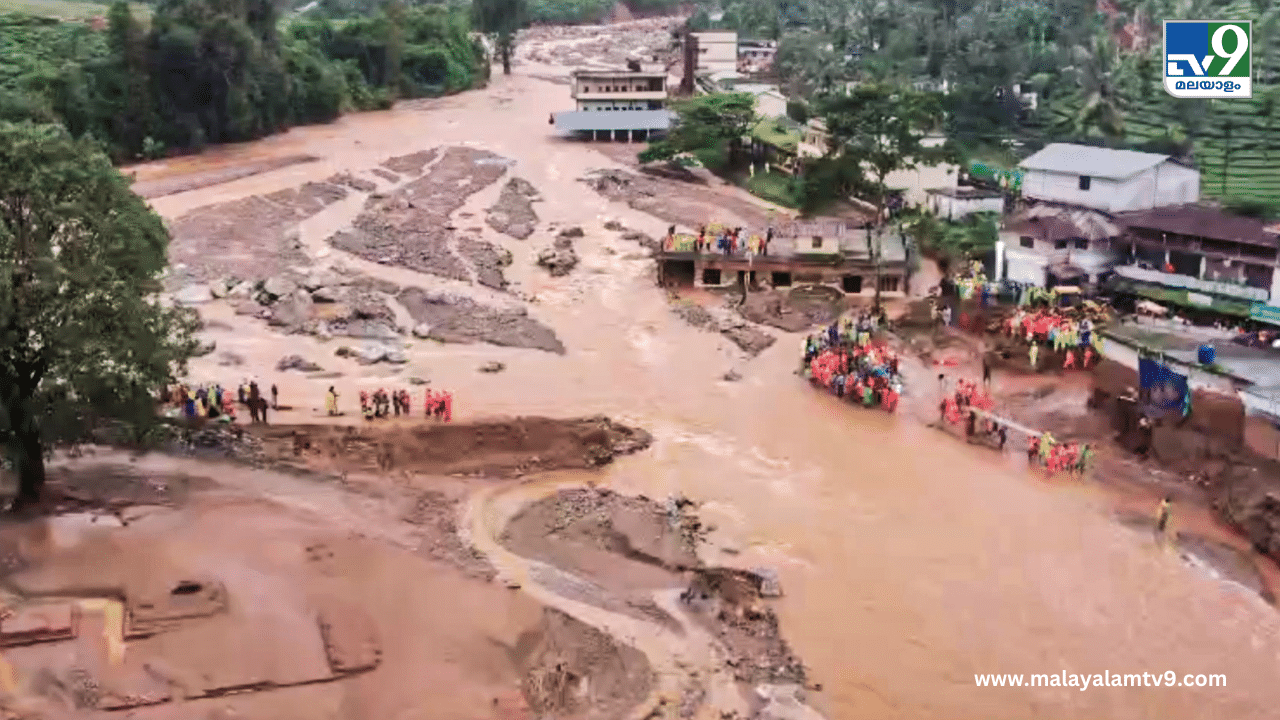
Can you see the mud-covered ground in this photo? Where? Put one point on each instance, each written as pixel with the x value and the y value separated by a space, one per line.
pixel 624 549
pixel 1221 492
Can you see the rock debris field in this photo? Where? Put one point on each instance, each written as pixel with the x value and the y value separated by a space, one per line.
pixel 248 253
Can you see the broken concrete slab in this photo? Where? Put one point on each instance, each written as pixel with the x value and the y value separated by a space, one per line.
pixel 350 638
pixel 39 623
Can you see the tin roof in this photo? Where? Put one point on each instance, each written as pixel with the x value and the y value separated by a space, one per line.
pixel 1092 161
pixel 1202 221
pixel 587 120
pixel 1052 222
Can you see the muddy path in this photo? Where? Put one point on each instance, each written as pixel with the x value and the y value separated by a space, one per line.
pixel 691 677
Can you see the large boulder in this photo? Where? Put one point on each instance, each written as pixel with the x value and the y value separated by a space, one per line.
pixel 296 362
pixel 322 277
pixel 330 294
pixel 293 311
pixel 278 286
pixel 193 295
pixel 373 352
pixel 560 259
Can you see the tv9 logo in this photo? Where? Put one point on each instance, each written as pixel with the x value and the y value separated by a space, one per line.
pixel 1208 58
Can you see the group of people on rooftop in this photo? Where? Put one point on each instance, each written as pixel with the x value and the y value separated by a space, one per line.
pixel 724 240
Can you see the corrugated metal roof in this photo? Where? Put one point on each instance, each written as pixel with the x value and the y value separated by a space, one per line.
pixel 1201 221
pixel 1092 161
pixel 1052 222
pixel 587 120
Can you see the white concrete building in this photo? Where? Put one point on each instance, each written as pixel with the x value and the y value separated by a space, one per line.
pixel 717 50
pixel 619 90
pixel 616 105
pixel 954 203
pixel 915 184
pixel 1107 180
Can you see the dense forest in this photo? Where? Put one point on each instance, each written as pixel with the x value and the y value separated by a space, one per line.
pixel 210 71
pixel 1020 73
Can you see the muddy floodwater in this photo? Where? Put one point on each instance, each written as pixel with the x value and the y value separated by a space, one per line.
pixel 909 561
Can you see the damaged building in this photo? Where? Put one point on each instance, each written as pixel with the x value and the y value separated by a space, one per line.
pixel 835 253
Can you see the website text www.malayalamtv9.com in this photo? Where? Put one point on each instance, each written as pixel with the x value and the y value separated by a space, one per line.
pixel 1108 679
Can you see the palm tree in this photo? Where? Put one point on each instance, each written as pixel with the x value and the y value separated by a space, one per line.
pixel 1099 74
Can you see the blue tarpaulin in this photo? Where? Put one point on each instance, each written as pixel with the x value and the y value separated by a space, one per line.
pixel 1166 388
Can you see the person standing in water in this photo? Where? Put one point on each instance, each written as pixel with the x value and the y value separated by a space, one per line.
pixel 1162 516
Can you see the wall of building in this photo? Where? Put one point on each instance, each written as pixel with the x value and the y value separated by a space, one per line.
pixel 894 277
pixel 615 105
pixel 590 84
pixel 1024 266
pixel 1165 184
pixel 717 51
pixel 916 182
pixel 1028 265
pixel 1198 379
pixel 954 208
pixel 1064 188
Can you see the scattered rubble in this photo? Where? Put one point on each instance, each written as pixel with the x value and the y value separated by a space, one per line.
pixel 493 366
pixel 250 237
pixel 747 337
pixel 560 259
pixel 410 227
pixel 513 213
pixel 351 181
pixel 458 319
pixel 297 362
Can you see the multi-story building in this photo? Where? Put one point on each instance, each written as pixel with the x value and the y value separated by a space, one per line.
pixel 613 105
pixel 717 50
pixel 832 252
pixel 1198 256
pixel 1069 235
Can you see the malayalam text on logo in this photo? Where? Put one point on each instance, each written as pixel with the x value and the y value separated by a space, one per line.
pixel 1208 58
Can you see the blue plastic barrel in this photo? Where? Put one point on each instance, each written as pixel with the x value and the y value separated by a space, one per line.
pixel 1206 354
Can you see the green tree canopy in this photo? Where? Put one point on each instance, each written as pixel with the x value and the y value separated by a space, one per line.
pixel 82 333
pixel 500 19
pixel 705 121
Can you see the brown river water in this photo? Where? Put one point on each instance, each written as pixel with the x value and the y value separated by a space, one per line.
pixel 910 561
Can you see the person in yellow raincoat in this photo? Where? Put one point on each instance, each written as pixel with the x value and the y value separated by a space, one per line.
pixel 331 401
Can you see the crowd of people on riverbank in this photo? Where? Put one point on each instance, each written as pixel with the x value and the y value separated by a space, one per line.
pixel 1073 338
pixel 848 361
pixel 214 402
pixel 382 404
pixel 971 405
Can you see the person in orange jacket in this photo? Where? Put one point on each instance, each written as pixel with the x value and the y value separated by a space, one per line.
pixel 448 407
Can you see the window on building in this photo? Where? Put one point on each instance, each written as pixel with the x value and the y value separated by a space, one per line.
pixel 889 284
pixel 1085 182
pixel 1081 244
pixel 817 243
pixel 1027 241
pixel 1059 244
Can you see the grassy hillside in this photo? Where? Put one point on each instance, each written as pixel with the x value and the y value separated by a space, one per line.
pixel 64 9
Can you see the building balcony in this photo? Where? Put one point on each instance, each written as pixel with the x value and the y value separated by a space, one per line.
pixel 620 95
pixel 1186 282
